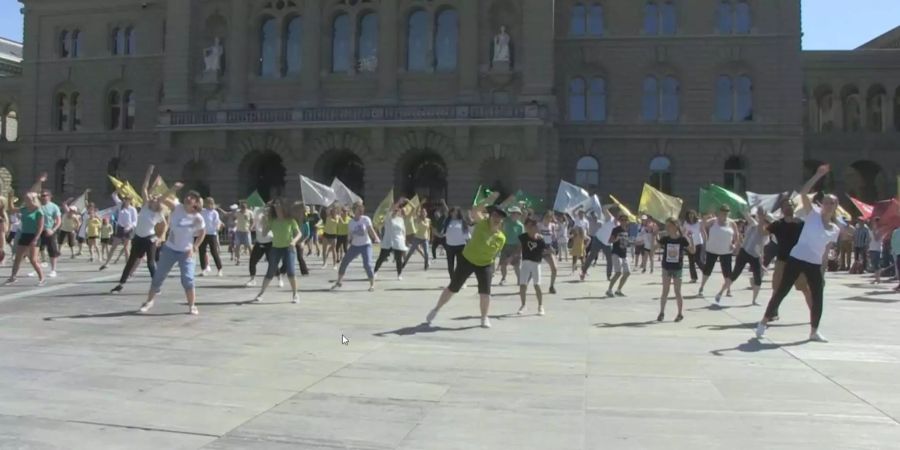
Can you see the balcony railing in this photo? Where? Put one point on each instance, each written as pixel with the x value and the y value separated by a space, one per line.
pixel 339 115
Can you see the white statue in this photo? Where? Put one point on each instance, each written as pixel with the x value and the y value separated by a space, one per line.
pixel 501 46
pixel 212 57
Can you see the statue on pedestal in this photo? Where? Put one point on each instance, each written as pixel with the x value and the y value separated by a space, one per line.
pixel 212 58
pixel 501 58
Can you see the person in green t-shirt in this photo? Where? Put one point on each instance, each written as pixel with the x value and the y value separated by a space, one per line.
pixel 285 235
pixel 478 258
pixel 33 223
pixel 511 253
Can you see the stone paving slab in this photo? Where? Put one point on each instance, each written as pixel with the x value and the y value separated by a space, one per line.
pixel 81 370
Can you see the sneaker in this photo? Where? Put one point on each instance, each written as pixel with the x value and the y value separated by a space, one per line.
pixel 521 310
pixel 760 330
pixel 103 267
pixel 540 310
pixel 52 274
pixel 552 290
pixel 485 322
pixel 295 299
pixel 280 282
pixel 43 264
pixel 32 274
pixel 335 286
pixel 250 283
pixel 718 298
pixel 620 294
pixel 219 273
pixel 194 311
pixel 42 282
pixel 610 293
pixel 399 277
pixel 431 315
pixel 660 317
pixel 679 318
pixel 258 298
pixel 502 282
pixel 817 337
pixel 10 281
pixel 116 289
pixel 146 306
pixel 91 260
pixel 581 277
pixel 202 273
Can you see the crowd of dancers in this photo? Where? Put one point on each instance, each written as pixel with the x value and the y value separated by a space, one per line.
pixel 489 240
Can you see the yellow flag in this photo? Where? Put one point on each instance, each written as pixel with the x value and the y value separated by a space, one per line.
pixel 841 212
pixel 136 198
pixel 413 205
pixel 623 209
pixel 658 205
pixel 383 209
pixel 159 187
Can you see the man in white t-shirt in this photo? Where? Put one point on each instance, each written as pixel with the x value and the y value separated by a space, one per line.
pixel 600 243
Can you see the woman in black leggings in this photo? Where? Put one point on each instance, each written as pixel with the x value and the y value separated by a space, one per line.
pixel 820 232
pixel 456 234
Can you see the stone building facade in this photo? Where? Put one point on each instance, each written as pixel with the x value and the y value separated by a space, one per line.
pixel 429 96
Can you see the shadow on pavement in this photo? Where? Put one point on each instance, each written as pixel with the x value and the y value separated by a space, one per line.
pixel 748 326
pixel 719 307
pixel 871 300
pixel 754 345
pixel 625 324
pixel 415 289
pixel 112 315
pixel 421 328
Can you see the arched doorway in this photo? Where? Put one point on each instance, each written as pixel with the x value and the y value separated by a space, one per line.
pixel 498 175
pixel 195 176
pixel 263 172
pixel 423 173
pixel 865 180
pixel 343 164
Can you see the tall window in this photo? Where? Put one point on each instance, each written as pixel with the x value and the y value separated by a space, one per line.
pixel 292 58
pixel 62 112
pixel 129 41
pixel 10 125
pixel 367 43
pixel 586 20
pixel 417 42
pixel 651 18
pixel 725 17
pixel 268 48
pixel 578 20
pixel 129 103
pixel 340 43
pixel 668 19
pixel 64 45
pixel 724 99
pixel 114 103
pixel 661 174
pixel 446 41
pixel 75 111
pixel 852 113
pixel 742 20
pixel 896 107
pixel 875 104
pixel 587 173
pixel 650 99
pixel 577 100
pixel 69 43
pixel 61 178
pixel 744 96
pixel 735 178
pixel 595 20
pixel 660 18
pixel 733 17
pixel 734 99
pixel 75 48
pixel 597 100
pixel 117 41
pixel 670 104
pixel 825 110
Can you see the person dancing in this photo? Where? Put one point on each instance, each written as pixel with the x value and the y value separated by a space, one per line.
pixel 362 236
pixel 211 239
pixel 694 227
pixel 674 246
pixel 722 238
pixel 394 239
pixel 285 236
pixel 532 246
pixel 820 232
pixel 32 220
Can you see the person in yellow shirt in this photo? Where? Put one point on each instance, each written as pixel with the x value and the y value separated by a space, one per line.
pixel 92 232
pixel 70 223
pixel 106 231
pixel 420 236
pixel 329 237
pixel 343 230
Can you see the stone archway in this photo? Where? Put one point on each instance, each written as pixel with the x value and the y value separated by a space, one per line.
pixel 422 173
pixel 264 172
pixel 344 165
pixel 865 180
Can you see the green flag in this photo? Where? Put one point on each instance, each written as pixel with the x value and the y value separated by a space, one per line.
pixel 255 200
pixel 522 198
pixel 714 197
pixel 481 195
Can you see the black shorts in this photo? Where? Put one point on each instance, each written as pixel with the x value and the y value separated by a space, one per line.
pixel 464 270
pixel 25 239
pixel 65 237
pixel 80 239
pixel 104 240
pixel 342 240
pixel 122 234
pixel 10 237
pixel 49 243
pixel 329 236
pixel 724 260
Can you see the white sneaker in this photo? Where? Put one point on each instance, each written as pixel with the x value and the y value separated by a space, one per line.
pixel 760 330
pixel 219 273
pixel 817 337
pixel 485 322
pixel 399 277
pixel 541 311
pixel 521 310
pixel 280 282
pixel 250 283
pixel 42 283
pixel 202 273
pixel 295 299
pixel 258 298
pixel 430 317
pixel 32 274
pixel 44 264
pixel 718 298
pixel 52 274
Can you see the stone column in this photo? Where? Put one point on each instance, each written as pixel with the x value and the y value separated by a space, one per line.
pixel 387 51
pixel 177 65
pixel 534 55
pixel 238 72
pixel 468 51
pixel 312 52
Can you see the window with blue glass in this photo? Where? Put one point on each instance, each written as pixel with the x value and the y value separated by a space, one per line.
pixel 340 43
pixel 367 43
pixel 446 41
pixel 417 41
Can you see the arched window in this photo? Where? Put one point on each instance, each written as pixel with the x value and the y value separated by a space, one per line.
pixel 446 41
pixel 897 109
pixel 852 112
pixel 735 178
pixel 75 111
pixel 577 100
pixel 595 21
pixel 650 99
pixel 651 18
pixel 117 41
pixel 268 48
pixel 724 99
pixel 587 173
pixel 417 41
pixel 62 111
pixel 670 105
pixel 75 47
pixel 60 178
pixel 725 17
pixel 10 125
pixel 661 174
pixel 129 41
pixel 875 104
pixel 114 103
pixel 742 20
pixel 293 47
pixel 367 43
pixel 129 103
pixel 340 43
pixel 64 49
pixel 578 20
pixel 668 19
pixel 824 120
pixel 744 96
pixel 597 100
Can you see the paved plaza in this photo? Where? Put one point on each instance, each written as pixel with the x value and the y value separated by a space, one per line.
pixel 80 370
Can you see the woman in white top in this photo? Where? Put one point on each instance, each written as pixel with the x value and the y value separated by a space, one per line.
pixel 820 232
pixel 456 234
pixel 393 240
pixel 647 237
pixel 563 229
pixel 722 237
pixel 694 228
pixel 211 238
pixel 362 235
pixel 185 234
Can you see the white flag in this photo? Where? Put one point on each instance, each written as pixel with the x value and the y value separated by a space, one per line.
pixel 569 197
pixel 343 194
pixel 107 213
pixel 314 193
pixel 79 204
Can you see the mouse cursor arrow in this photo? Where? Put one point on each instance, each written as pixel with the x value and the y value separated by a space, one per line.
pixel 345 340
